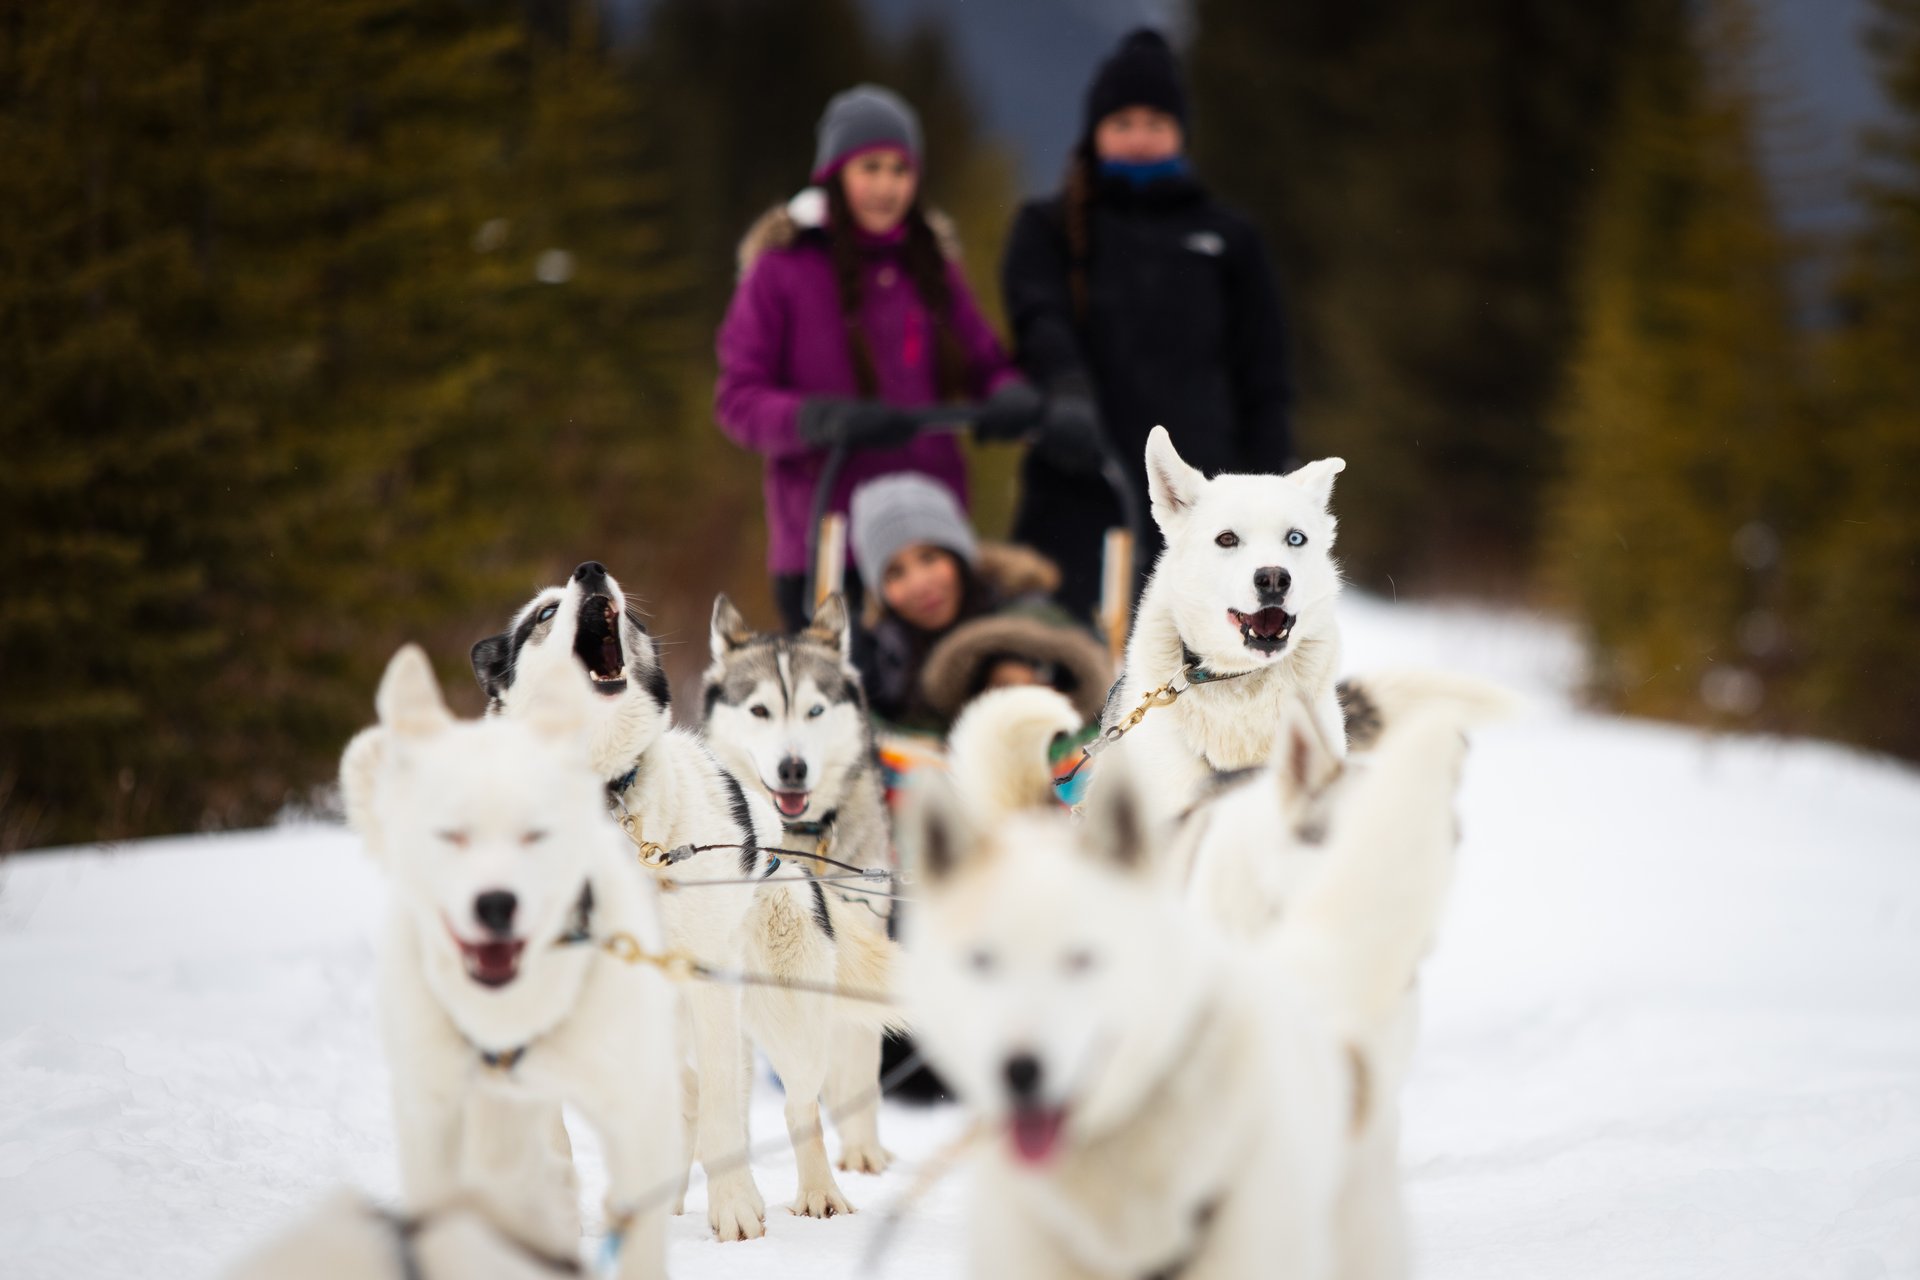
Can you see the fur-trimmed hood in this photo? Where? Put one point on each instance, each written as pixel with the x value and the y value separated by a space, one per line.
pixel 781 226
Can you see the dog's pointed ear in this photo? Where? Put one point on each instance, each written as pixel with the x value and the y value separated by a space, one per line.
pixel 935 835
pixel 730 629
pixel 409 700
pixel 1172 485
pixel 492 660
pixel 555 698
pixel 1317 478
pixel 360 767
pixel 1114 819
pixel 1304 762
pixel 828 626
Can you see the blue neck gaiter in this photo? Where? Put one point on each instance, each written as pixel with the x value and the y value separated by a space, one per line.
pixel 1139 174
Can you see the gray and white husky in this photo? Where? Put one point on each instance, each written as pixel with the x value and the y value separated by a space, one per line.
pixel 787 716
pixel 669 792
pixel 1241 602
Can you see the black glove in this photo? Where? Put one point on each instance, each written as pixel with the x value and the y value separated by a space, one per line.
pixel 1070 436
pixel 858 424
pixel 1009 413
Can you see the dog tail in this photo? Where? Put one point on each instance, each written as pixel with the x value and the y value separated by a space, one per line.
pixel 864 966
pixel 1000 745
pixel 1372 704
pixel 1360 927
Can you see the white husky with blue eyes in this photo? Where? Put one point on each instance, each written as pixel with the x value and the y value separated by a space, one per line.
pixel 1160 1098
pixel 1245 590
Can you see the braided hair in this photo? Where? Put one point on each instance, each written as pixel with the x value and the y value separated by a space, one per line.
pixel 926 267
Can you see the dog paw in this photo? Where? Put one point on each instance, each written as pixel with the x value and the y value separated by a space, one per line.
pixel 864 1158
pixel 736 1213
pixel 821 1202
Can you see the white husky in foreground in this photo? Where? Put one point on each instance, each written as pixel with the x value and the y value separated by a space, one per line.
pixel 672 795
pixel 1241 608
pixel 496 1001
pixel 1161 1100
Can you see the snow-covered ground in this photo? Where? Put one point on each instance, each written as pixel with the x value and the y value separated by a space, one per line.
pixel 1673 1028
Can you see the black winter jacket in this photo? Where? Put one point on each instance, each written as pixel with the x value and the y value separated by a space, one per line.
pixel 1183 328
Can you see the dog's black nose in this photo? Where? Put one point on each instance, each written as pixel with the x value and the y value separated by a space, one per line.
pixel 589 573
pixel 1271 581
pixel 793 772
pixel 1023 1076
pixel 495 909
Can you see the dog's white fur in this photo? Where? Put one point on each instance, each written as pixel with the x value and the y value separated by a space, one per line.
pixel 1185 609
pixel 346 1236
pixel 1215 1093
pixel 777 701
pixel 681 796
pixel 452 810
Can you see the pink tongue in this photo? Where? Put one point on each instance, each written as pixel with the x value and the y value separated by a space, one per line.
pixel 791 802
pixel 1036 1133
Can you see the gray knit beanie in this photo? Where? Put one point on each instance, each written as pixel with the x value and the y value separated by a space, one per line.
pixel 893 512
pixel 864 116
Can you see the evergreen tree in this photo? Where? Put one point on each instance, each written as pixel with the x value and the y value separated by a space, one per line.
pixel 1863 587
pixel 1684 423
pixel 1420 167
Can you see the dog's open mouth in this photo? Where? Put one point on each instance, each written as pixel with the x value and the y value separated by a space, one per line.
pixel 1036 1132
pixel 1265 630
pixel 792 803
pixel 491 964
pixel 596 642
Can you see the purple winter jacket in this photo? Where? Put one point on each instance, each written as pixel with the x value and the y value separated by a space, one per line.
pixel 783 342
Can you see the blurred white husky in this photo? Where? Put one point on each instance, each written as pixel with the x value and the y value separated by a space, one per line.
pixel 1161 1099
pixel 497 1002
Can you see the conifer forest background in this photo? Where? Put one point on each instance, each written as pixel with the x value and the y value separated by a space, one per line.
pixel 325 326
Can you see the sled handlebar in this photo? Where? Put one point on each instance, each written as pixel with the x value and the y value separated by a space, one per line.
pixel 951 419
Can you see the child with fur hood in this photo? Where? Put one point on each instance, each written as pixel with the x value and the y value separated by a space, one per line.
pixel 851 308
pixel 951 618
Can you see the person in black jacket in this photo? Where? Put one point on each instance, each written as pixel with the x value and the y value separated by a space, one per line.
pixel 1136 299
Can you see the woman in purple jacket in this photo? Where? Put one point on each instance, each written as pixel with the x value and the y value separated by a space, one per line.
pixel 850 309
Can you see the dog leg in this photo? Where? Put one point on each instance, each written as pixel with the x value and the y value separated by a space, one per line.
pixel 735 1210
pixel 1331 721
pixel 515 1153
pixel 855 1071
pixel 802 1068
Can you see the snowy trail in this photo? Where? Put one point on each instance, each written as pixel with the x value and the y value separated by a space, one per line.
pixel 1672 1029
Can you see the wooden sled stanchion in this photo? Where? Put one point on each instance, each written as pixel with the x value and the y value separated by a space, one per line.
pixel 830 559
pixel 1116 590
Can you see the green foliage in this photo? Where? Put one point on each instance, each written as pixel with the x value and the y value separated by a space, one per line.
pixel 282 400
pixel 1685 422
pixel 1862 585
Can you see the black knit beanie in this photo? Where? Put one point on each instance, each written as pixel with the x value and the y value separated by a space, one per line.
pixel 1141 73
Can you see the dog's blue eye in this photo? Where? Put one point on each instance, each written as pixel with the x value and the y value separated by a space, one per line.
pixel 547 612
pixel 817 711
pixel 760 711
pixel 1295 538
pixel 1229 539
